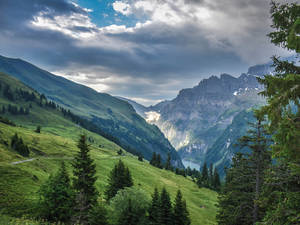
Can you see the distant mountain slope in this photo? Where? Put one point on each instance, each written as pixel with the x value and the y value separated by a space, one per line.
pixel 22 176
pixel 114 116
pixel 199 116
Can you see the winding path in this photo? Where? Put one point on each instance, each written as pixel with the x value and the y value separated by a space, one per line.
pixel 23 161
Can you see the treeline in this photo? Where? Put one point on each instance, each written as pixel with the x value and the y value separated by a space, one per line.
pixel 42 101
pixel 18 145
pixel 263 186
pixel 206 178
pixel 76 201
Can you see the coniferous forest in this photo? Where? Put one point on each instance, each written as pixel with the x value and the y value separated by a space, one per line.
pixel 70 155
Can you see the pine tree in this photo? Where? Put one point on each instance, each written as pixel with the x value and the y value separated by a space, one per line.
pixel 98 215
pixel 216 180
pixel 235 202
pixel 128 216
pixel 153 159
pixel 154 210
pixel 245 179
pixel 166 210
pixel 181 214
pixel 204 176
pixel 168 165
pixel 84 171
pixel 158 162
pixel 120 177
pixel 211 173
pixel 282 192
pixel 56 197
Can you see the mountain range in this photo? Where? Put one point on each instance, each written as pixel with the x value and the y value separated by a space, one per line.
pixel 204 123
pixel 114 116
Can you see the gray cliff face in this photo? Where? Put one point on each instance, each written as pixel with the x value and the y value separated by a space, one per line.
pixel 198 116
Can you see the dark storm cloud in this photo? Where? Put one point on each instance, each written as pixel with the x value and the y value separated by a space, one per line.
pixel 152 61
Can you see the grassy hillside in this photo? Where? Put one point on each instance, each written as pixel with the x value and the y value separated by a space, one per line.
pixel 20 182
pixel 114 116
pixel 57 141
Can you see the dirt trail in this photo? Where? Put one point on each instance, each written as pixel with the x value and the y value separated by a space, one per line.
pixel 23 161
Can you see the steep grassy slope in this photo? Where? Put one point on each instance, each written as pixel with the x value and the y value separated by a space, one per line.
pixel 20 182
pixel 111 114
pixel 57 141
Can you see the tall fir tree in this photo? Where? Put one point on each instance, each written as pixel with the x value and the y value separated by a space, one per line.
pixel 181 214
pixel 56 197
pixel 84 171
pixel 216 180
pixel 166 210
pixel 204 176
pixel 168 165
pixel 243 187
pixel 154 209
pixel 119 178
pixel 211 173
pixel 128 216
pixel 282 194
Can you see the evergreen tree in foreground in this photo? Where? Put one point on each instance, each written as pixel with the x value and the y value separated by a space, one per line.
pixel 181 215
pixel 84 171
pixel 56 197
pixel 154 210
pixel 239 203
pixel 166 211
pixel 120 177
pixel 282 191
pixel 128 216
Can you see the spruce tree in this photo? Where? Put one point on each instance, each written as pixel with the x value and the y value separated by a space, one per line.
pixel 282 194
pixel 56 197
pixel 166 210
pixel 204 176
pixel 181 214
pixel 128 217
pixel 84 171
pixel 120 177
pixel 168 165
pixel 245 179
pixel 153 159
pixel 154 210
pixel 216 180
pixel 211 173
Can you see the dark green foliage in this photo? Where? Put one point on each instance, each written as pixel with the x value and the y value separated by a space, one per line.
pixel 168 165
pixel 56 197
pixel 98 215
pixel 7 121
pixel 128 216
pixel 140 157
pixel 166 210
pixel 8 93
pixel 156 160
pixel 119 178
pixel 181 214
pixel 18 145
pixel 282 190
pixel 204 180
pixel 154 210
pixel 216 183
pixel 120 152
pixel 245 179
pixel 284 18
pixel 236 201
pixel 84 171
pixel 38 129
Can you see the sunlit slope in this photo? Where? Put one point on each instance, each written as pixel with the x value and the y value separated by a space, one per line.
pixel 20 182
pixel 114 116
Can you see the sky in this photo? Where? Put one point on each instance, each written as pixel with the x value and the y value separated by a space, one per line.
pixel 145 50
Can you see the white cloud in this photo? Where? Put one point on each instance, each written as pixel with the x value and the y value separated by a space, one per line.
pixel 122 7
